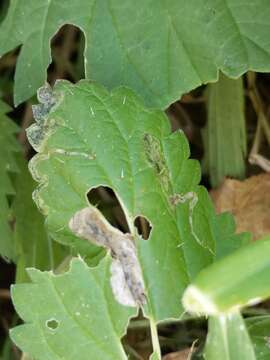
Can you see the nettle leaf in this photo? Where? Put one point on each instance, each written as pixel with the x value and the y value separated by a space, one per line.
pixel 64 313
pixel 8 165
pixel 87 137
pixel 23 237
pixel 228 339
pixel 33 246
pixel 159 49
pixel 227 240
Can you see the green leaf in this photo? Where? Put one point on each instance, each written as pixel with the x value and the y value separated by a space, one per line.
pixel 64 313
pixel 227 240
pixel 259 331
pixel 228 339
pixel 240 279
pixel 28 245
pixel 91 138
pixel 8 165
pixel 33 246
pixel 225 132
pixel 161 50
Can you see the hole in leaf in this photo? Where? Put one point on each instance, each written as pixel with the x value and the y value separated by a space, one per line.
pixel 52 324
pixel 136 342
pixel 67 48
pixel 4 6
pixel 105 199
pixel 143 226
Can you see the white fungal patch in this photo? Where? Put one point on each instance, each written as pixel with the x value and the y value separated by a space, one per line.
pixel 126 280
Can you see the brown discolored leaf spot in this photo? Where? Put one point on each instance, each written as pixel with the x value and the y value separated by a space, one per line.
pixel 249 201
pixel 126 276
pixel 179 355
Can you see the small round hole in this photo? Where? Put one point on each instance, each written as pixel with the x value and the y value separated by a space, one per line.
pixel 52 324
pixel 143 226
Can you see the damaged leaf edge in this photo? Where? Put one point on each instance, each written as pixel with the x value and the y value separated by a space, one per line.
pixel 31 271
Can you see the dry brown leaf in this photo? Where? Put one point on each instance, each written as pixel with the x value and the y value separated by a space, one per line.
pixel 179 355
pixel 249 201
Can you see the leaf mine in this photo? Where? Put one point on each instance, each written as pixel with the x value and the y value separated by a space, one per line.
pixel 126 280
pixel 37 132
pixel 93 138
pixel 192 199
pixel 153 152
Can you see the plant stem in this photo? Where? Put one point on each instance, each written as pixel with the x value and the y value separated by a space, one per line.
pixel 154 336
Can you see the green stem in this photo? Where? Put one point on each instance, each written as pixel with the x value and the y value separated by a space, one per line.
pixel 154 336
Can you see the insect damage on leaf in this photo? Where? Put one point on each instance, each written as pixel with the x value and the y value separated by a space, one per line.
pixel 126 276
pixel 154 156
pixel 192 199
pixel 47 100
pixel 52 324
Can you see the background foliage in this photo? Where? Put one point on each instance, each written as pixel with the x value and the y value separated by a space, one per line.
pixel 139 171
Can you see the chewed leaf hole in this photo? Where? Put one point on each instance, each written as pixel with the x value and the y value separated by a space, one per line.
pixel 75 35
pixel 52 324
pixel 135 338
pixel 143 227
pixel 105 199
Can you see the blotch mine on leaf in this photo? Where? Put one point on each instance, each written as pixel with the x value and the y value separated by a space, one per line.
pixel 38 131
pixel 154 155
pixel 46 101
pixel 119 285
pixel 192 199
pixel 126 280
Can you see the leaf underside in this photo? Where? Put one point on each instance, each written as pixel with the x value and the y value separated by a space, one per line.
pixel 161 50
